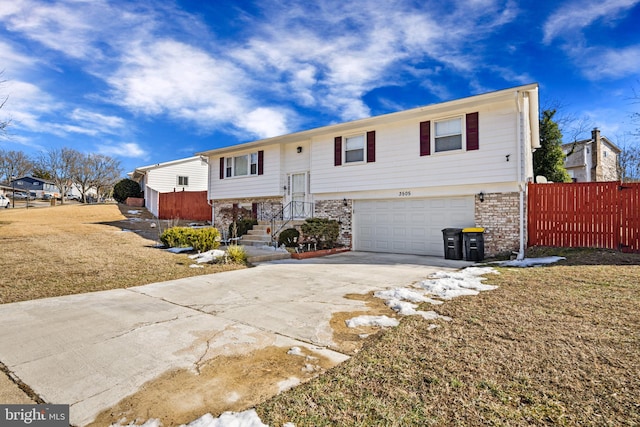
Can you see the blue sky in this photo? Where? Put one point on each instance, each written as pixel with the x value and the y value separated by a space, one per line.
pixel 154 81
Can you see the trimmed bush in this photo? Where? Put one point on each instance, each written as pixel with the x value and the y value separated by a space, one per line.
pixel 200 239
pixel 205 239
pixel 125 188
pixel 324 232
pixel 288 237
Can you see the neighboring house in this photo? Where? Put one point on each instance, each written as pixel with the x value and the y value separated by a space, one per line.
pixel 592 160
pixel 188 174
pixel 395 181
pixel 5 189
pixel 39 187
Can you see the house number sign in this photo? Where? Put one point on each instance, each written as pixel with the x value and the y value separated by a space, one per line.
pixel 404 193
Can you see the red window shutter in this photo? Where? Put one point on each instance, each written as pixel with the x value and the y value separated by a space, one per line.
pixel 425 138
pixel 371 146
pixel 221 167
pixel 260 162
pixel 337 151
pixel 473 139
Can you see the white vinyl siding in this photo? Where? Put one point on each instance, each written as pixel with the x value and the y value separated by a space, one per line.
pixel 165 178
pixel 409 226
pixel 399 164
pixel 267 184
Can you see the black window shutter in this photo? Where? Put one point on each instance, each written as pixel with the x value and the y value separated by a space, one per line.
pixel 221 167
pixel 425 138
pixel 473 140
pixel 260 162
pixel 371 146
pixel 337 151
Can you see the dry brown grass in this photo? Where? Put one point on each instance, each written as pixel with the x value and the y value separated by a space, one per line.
pixel 76 248
pixel 557 345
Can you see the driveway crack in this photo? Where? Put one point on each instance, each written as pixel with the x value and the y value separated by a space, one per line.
pixel 21 384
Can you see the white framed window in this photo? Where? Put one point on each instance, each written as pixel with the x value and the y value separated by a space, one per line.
pixel 183 181
pixel 253 164
pixel 240 165
pixel 244 165
pixel 448 135
pixel 354 149
pixel 228 167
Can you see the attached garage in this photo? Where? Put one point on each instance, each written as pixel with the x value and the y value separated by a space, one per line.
pixel 409 226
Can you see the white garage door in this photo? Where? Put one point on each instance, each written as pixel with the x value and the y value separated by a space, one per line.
pixel 409 226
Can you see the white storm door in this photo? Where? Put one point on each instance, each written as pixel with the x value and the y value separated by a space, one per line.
pixel 299 207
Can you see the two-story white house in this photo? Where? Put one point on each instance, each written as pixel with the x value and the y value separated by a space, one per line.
pixel 592 160
pixel 189 174
pixel 395 181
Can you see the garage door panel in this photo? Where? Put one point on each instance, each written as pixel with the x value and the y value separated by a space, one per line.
pixel 412 226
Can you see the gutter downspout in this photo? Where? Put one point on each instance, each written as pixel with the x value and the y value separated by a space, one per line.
pixel 521 129
pixel 533 133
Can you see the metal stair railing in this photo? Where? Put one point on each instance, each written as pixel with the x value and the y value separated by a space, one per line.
pixel 289 212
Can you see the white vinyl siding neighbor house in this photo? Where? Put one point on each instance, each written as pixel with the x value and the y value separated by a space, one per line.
pixel 189 174
pixel 395 181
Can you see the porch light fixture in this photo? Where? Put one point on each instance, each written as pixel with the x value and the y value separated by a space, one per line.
pixel 299 149
pixel 481 196
pixel 344 202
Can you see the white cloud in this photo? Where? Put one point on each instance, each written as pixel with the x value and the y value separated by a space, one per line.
pixel 169 77
pixel 98 123
pixel 578 15
pixel 571 23
pixel 123 149
pixel 264 122
pixel 601 62
pixel 325 56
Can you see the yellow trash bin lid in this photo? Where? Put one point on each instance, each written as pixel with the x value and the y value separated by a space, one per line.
pixel 473 230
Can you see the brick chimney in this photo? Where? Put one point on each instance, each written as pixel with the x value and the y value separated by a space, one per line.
pixel 597 172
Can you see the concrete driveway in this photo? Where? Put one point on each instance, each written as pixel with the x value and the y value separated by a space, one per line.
pixel 92 350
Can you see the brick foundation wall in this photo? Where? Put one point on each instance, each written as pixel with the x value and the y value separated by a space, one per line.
pixel 335 209
pixel 499 215
pixel 224 212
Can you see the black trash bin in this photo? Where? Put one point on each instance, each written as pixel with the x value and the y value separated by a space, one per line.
pixel 452 243
pixel 473 243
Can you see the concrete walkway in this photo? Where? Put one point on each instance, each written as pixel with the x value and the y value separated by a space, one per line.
pixel 91 350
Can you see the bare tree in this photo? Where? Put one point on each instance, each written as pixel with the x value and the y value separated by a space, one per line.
pixel 4 123
pixel 635 117
pixel 107 173
pixel 61 164
pixel 14 164
pixel 83 174
pixel 629 158
pixel 95 172
pixel 571 126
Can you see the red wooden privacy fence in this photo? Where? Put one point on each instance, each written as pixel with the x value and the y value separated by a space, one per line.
pixel 592 214
pixel 184 205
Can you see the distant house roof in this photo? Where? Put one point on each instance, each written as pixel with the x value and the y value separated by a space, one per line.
pixel 604 139
pixel 32 179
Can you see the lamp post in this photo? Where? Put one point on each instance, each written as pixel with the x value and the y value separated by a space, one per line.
pixel 13 188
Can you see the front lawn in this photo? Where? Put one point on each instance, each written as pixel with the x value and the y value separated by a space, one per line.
pixel 555 345
pixel 74 248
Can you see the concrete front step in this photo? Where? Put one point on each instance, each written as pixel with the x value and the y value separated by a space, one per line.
pixel 255 254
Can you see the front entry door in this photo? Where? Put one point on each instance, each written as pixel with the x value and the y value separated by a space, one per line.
pixel 298 207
